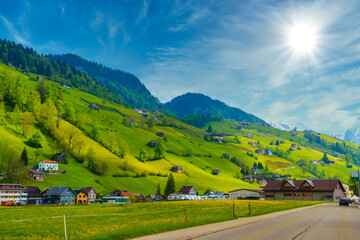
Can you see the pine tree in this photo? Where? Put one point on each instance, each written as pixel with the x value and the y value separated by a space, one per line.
pixel 158 190
pixel 325 159
pixel 255 165
pixel 260 166
pixel 209 130
pixel 170 185
pixel 25 157
pixel 277 143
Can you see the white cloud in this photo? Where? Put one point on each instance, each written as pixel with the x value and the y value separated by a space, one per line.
pixel 97 21
pixel 143 12
pixel 14 33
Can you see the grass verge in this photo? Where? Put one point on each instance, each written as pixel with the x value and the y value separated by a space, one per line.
pixel 128 221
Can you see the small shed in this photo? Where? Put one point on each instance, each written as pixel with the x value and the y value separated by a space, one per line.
pixel 177 169
pixel 93 106
pixel 225 155
pixel 160 134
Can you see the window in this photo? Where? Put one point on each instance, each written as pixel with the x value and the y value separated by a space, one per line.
pixel 297 195
pixel 307 194
pixel 287 194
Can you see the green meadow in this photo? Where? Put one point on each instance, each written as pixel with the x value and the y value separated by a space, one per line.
pixel 185 146
pixel 126 221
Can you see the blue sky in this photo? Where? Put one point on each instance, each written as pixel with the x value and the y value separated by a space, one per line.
pixel 235 51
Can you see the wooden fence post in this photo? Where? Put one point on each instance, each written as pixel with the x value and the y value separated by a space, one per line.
pixel 65 228
pixel 185 215
pixel 234 209
pixel 249 209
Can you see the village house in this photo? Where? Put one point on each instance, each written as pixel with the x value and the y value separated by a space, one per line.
pixel 248 135
pixel 248 178
pixel 291 149
pixel 12 194
pixel 320 162
pixel 225 155
pixel 154 198
pixel 299 148
pixel 188 190
pixel 34 195
pixel 282 142
pixel 252 143
pixel 349 166
pixel 132 123
pixel 313 161
pixel 139 197
pixel 263 184
pixel 145 113
pixel 60 195
pixel 46 165
pixel 138 110
pixel 268 152
pixel 331 162
pixel 272 144
pixel 293 145
pixel 155 118
pixel 36 175
pixel 93 107
pixel 246 194
pixel 312 190
pixel 64 85
pixel 81 197
pixel 90 193
pixel 177 169
pixel 259 151
pixel 60 157
pixel 119 197
pixel 160 134
pixel 216 172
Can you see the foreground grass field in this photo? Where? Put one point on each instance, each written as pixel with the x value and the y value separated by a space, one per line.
pixel 123 222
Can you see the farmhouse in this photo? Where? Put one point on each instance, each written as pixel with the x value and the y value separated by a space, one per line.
pixel 37 175
pixel 160 134
pixel 93 107
pixel 246 194
pixel 90 193
pixel 272 144
pixel 60 195
pixel 138 110
pixel 268 152
pixel 293 145
pixel 291 149
pixel 33 195
pixel 248 178
pixel 81 197
pixel 60 157
pixel 313 161
pixel 313 190
pixel 282 142
pixel 46 165
pixel 298 148
pixel 225 155
pixel 188 190
pixel 259 151
pixel 12 194
pixel 177 169
pixel 154 198
pixel 216 172
pixel 331 162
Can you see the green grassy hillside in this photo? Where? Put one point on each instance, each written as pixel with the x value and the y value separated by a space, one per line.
pixel 67 124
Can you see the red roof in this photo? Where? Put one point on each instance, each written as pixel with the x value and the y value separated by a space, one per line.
pixel 320 185
pixel 47 161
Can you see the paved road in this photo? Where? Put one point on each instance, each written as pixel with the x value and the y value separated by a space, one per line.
pixel 324 222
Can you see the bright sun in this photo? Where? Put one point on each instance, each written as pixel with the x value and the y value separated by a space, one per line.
pixel 303 38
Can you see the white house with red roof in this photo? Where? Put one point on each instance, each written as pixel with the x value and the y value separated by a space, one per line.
pixel 46 165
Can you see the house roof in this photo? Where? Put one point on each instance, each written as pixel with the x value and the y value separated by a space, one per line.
pixel 77 192
pixel 320 185
pixel 186 189
pixel 32 189
pixel 47 161
pixel 252 190
pixel 58 191
pixel 87 190
pixel 36 172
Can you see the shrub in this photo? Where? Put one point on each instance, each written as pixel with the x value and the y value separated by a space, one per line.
pixel 35 141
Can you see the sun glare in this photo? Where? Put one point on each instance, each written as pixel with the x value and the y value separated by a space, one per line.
pixel 303 38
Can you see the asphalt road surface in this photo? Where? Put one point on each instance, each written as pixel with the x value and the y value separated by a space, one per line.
pixel 323 222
